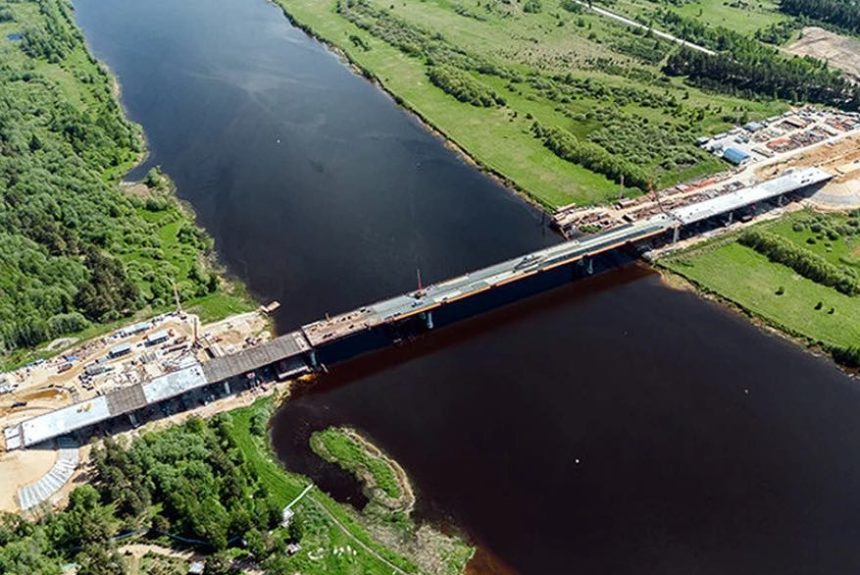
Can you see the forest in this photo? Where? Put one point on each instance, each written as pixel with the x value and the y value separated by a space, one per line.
pixel 756 73
pixel 189 482
pixel 77 250
pixel 843 14
pixel 748 68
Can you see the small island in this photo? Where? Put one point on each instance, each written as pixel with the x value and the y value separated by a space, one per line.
pixel 390 502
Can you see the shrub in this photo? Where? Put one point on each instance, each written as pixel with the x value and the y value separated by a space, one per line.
pixel 592 156
pixel 464 87
pixel 532 6
pixel 847 356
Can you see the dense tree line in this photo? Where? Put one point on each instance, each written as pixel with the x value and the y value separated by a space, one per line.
pixel 645 49
pixel 463 87
pixel 843 14
pixel 804 262
pixel 764 74
pixel 592 156
pixel 566 88
pixel 716 38
pixel 746 67
pixel 55 37
pixel 659 147
pixel 65 228
pixel 571 6
pixel 532 6
pixel 194 476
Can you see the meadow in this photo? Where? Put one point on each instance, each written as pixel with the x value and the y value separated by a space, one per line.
pixel 552 64
pixel 777 294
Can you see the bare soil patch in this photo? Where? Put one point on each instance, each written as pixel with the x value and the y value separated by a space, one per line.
pixel 840 51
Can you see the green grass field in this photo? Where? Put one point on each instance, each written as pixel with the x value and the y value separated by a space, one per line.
pixel 336 445
pixel 533 48
pixel 803 308
pixel 739 15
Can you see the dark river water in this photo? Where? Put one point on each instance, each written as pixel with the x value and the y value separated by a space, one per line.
pixel 614 426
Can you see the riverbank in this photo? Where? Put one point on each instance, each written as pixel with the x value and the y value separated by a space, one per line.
pixel 85 253
pixel 774 295
pixel 501 138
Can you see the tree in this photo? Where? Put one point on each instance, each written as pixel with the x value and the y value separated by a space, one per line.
pixel 219 564
pixel 100 559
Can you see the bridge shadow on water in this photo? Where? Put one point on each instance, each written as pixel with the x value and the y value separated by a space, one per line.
pixel 482 321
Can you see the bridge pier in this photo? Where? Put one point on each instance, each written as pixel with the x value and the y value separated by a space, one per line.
pixel 313 358
pixel 227 389
pixel 428 319
pixel 676 234
pixel 731 217
pixel 588 264
pixel 132 419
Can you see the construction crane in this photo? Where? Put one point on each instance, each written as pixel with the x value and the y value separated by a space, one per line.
pixel 653 191
pixel 420 292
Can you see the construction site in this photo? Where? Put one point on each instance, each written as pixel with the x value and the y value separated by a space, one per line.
pixel 87 374
pixel 803 138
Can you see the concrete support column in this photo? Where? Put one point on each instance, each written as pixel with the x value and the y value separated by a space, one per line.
pixel 428 319
pixel 780 200
pixel 731 217
pixel 132 419
pixel 313 357
pixel 590 266
pixel 676 234
pixel 227 389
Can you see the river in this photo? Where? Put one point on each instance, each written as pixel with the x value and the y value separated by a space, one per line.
pixel 613 426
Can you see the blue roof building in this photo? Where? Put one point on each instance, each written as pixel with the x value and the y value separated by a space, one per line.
pixel 735 155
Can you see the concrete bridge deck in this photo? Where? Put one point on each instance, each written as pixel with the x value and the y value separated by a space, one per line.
pixel 418 302
pixel 294 352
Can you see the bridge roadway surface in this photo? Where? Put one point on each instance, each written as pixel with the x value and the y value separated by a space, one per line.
pixel 290 352
pixel 426 300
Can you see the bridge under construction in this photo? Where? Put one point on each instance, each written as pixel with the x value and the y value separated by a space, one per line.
pixel 316 345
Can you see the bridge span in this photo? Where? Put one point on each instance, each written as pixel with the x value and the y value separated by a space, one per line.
pixel 424 301
pixel 379 324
